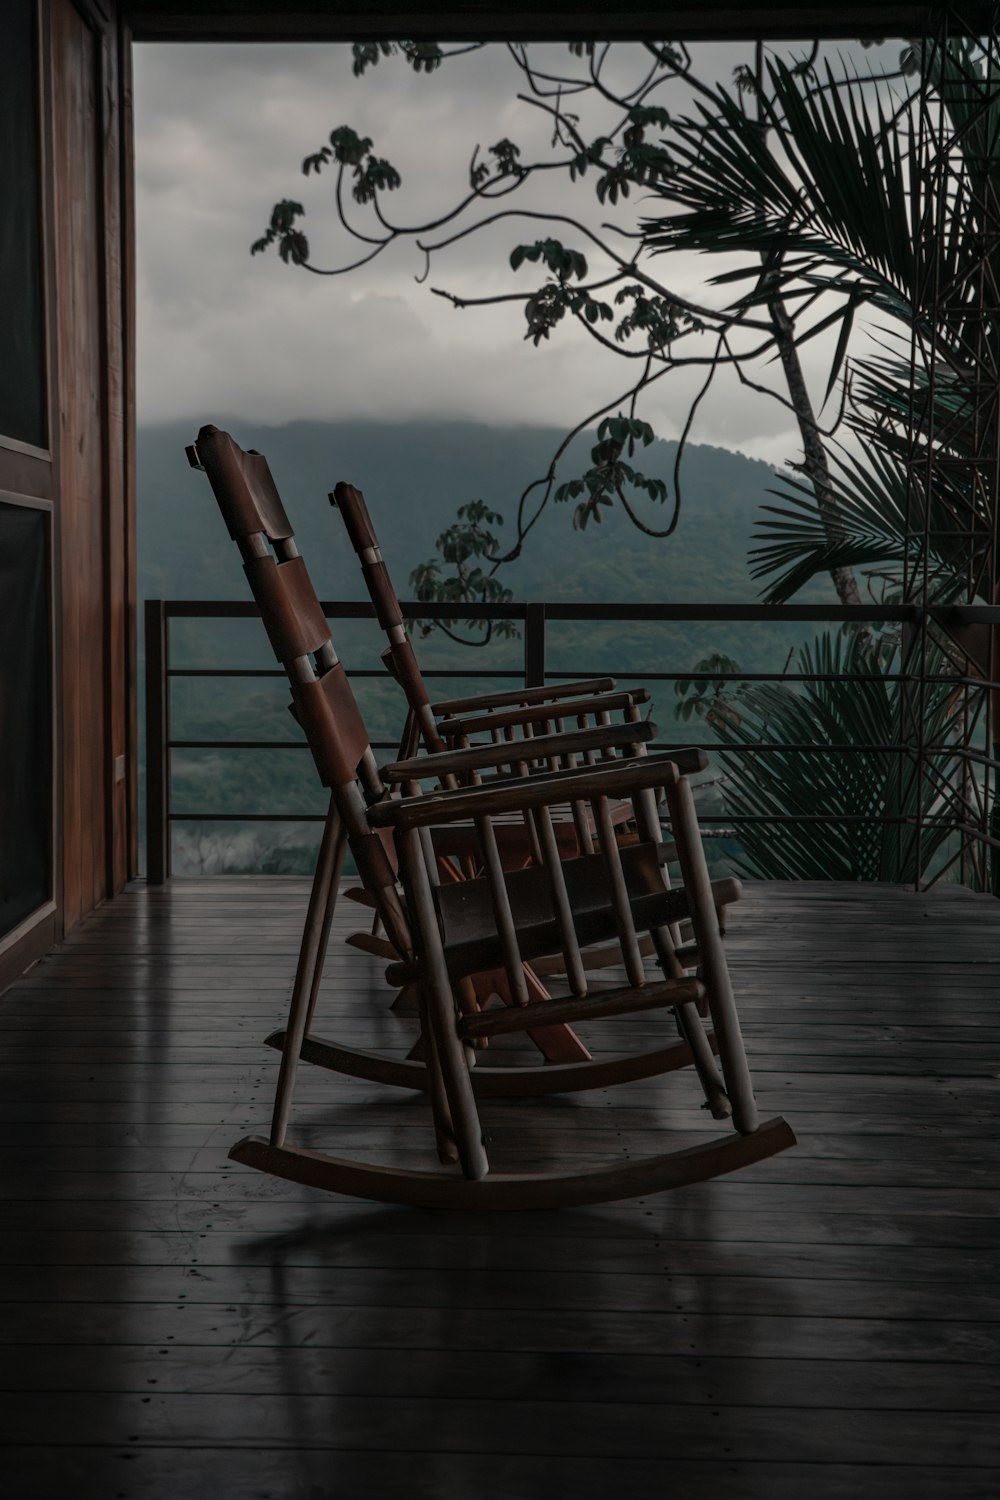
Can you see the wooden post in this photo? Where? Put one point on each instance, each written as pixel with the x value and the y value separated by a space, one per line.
pixel 534 645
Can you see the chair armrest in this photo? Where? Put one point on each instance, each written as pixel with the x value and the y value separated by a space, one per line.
pixel 511 718
pixel 511 697
pixel 511 752
pixel 689 759
pixel 614 779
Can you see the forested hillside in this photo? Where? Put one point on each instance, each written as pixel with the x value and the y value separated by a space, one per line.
pixel 414 476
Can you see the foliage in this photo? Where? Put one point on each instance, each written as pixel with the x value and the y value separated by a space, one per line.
pixel 708 696
pixel 461 547
pixel 829 758
pixel 609 474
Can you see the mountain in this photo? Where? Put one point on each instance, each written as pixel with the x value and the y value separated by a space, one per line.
pixel 414 475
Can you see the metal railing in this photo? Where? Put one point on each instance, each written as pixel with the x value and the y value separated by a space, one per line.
pixel 976 825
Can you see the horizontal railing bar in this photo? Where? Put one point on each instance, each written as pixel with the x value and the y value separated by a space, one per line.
pixel 505 674
pixel 735 818
pixel 964 752
pixel 260 744
pixel 960 680
pixel 693 675
pixel 720 745
pixel 690 675
pixel 242 817
pixel 804 749
pixel 343 609
pixel 237 745
pixel 869 819
pixel 864 614
pixel 970 614
pixel 227 672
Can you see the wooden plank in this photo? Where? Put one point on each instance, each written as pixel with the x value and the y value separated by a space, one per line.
pixel 81 458
pixel 153 1471
pixel 647 1380
pixel 572 1330
pixel 421 1247
pixel 553 1427
pixel 639 1294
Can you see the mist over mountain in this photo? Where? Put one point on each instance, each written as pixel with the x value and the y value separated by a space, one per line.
pixel 414 475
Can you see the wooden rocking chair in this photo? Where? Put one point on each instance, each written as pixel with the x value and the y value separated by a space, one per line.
pixel 502 918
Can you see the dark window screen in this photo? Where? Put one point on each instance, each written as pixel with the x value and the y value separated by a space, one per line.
pixel 22 360
pixel 25 715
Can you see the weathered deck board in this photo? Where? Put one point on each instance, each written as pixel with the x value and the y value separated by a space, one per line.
pixel 827 1322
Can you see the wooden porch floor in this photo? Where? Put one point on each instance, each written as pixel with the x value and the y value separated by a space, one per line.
pixel 824 1324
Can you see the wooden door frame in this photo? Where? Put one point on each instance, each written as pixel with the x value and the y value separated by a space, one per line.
pixel 28 479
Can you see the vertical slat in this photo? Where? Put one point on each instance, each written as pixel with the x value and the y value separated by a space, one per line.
pixel 530 820
pixel 575 972
pixel 618 892
pixel 157 753
pixel 501 910
pixel 127 541
pixel 117 534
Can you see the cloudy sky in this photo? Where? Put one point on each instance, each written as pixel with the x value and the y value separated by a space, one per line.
pixel 221 132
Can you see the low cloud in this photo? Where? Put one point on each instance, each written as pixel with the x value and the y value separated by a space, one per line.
pixel 221 133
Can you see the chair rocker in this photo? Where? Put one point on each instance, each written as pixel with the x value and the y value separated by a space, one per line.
pixel 500 919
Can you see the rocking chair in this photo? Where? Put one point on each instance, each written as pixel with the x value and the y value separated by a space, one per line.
pixel 501 919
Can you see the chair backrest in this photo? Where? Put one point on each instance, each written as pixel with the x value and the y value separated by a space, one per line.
pixel 323 701
pixel 400 657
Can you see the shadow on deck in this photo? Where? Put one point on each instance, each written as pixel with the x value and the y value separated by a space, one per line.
pixel 823 1323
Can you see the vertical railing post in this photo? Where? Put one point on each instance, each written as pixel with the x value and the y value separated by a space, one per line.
pixel 534 645
pixel 157 753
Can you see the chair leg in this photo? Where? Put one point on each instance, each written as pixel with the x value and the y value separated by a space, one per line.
pixel 713 967
pixel 447 1049
pixel 309 971
pixel 689 1024
pixel 444 1130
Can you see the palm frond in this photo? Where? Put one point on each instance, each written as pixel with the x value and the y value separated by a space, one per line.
pixel 840 198
pixel 797 541
pixel 846 813
pixel 843 198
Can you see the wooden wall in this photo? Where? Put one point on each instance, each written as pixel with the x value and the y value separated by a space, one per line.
pixel 85 470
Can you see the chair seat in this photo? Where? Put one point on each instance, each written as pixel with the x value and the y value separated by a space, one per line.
pixel 471 942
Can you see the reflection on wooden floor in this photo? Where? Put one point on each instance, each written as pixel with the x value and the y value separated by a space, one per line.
pixel 823 1324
